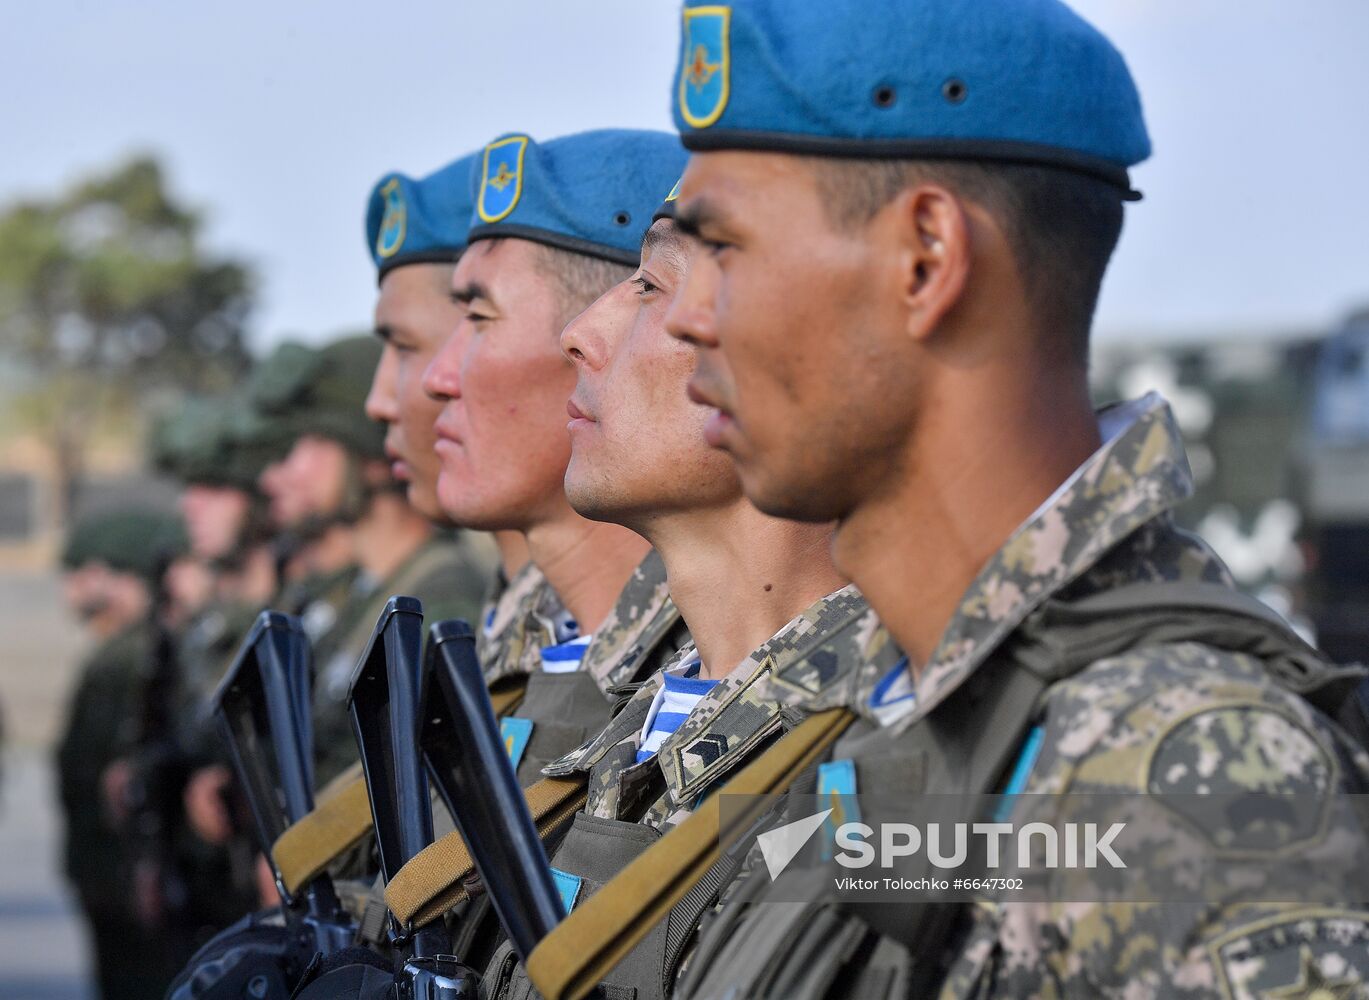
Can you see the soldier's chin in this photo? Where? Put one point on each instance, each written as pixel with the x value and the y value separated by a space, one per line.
pixel 589 497
pixel 779 498
pixel 423 498
pixel 465 509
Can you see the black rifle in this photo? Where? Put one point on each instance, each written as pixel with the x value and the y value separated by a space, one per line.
pixel 159 769
pixel 471 768
pixel 386 701
pixel 398 704
pixel 262 707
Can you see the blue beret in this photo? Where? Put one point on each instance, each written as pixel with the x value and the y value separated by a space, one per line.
pixel 592 192
pixel 1011 80
pixel 420 221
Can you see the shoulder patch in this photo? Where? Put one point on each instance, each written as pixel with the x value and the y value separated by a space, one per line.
pixel 1307 953
pixel 1275 776
pixel 705 68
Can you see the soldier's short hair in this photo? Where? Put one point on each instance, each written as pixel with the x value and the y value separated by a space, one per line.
pixel 1062 226
pixel 579 278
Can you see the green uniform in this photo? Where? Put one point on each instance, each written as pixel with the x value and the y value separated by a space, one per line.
pixel 561 711
pixel 218 879
pixel 319 600
pixel 440 573
pixel 1162 717
pixel 102 726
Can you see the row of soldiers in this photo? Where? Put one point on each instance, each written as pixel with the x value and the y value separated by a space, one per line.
pixel 834 529
pixel 288 501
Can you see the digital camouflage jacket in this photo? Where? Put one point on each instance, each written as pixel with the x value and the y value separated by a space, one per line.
pixel 523 621
pixel 1160 718
pixel 730 724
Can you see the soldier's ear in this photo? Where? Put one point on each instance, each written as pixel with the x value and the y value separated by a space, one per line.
pixel 933 236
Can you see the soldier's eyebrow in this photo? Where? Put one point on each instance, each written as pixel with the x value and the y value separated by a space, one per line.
pixel 665 239
pixel 384 331
pixel 690 219
pixel 466 294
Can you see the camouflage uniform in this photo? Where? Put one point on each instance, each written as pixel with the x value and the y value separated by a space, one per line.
pixel 634 641
pixel 515 624
pixel 1163 717
pixel 642 632
pixel 731 725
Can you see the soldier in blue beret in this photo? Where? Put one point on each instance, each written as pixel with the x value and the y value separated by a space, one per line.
pixel 759 594
pixel 551 229
pixel 416 231
pixel 554 225
pixel 907 207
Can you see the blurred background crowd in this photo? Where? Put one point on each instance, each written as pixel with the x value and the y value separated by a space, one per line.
pixel 185 356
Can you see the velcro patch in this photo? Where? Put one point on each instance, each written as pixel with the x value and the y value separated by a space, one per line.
pixel 568 886
pixel 516 733
pixel 1236 750
pixel 837 792
pixel 1309 953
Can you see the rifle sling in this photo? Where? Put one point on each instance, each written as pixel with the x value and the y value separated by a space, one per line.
pixel 434 880
pixel 337 824
pixel 600 931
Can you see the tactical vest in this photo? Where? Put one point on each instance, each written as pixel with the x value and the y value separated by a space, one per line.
pixel 594 850
pixel 565 711
pixel 806 949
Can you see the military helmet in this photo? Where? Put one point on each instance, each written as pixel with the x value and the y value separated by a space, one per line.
pixel 135 540
pixel 306 390
pixel 219 442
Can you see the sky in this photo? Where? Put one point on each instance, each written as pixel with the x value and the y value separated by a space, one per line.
pixel 274 119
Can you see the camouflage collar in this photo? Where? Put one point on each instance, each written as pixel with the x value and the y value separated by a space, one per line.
pixel 737 715
pixel 641 617
pixel 1139 474
pixel 511 645
pixel 524 616
pixel 804 648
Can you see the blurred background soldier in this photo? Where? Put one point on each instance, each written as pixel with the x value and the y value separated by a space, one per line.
pixel 335 492
pixel 190 830
pixel 111 561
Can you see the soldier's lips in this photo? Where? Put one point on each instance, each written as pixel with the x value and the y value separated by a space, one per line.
pixel 579 419
pixel 399 467
pixel 719 422
pixel 717 428
pixel 698 394
pixel 446 436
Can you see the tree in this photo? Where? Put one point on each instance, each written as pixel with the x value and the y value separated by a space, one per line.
pixel 106 295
